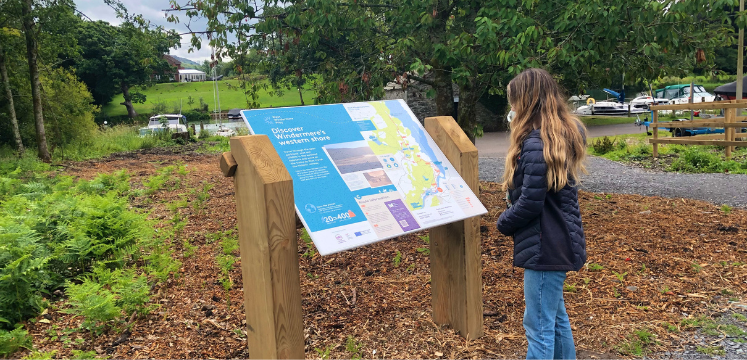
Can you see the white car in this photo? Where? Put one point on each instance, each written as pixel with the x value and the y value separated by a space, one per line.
pixel 697 97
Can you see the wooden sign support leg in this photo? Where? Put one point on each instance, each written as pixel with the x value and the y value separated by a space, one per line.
pixel 456 269
pixel 269 251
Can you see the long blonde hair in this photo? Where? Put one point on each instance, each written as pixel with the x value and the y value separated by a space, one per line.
pixel 539 104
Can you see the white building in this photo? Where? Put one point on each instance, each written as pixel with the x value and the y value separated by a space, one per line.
pixel 189 75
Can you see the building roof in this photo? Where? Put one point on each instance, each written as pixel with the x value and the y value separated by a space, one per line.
pixel 190 71
pixel 172 61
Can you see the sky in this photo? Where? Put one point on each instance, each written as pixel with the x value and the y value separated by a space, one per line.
pixel 153 11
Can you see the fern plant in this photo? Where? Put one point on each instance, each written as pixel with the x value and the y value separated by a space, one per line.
pixel 95 304
pixel 12 341
pixel 22 273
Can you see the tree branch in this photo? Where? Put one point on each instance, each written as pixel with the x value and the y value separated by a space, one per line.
pixel 418 78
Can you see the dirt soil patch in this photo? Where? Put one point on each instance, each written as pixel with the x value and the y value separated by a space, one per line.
pixel 655 261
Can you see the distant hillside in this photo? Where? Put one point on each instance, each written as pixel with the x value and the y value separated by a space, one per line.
pixel 186 63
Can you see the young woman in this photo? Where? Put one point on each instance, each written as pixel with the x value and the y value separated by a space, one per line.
pixel 544 160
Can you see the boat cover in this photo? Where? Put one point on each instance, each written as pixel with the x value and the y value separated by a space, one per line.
pixel 234 113
pixel 730 89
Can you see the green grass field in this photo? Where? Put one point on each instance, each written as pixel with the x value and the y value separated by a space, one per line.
pixel 230 97
pixel 606 120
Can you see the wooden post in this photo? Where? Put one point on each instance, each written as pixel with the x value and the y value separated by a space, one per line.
pixel 269 251
pixel 730 116
pixel 656 133
pixel 456 271
pixel 692 96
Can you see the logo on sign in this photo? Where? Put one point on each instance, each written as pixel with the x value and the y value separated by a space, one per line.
pixel 341 216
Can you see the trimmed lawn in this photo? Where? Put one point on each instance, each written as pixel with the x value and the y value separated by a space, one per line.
pixel 596 120
pixel 231 96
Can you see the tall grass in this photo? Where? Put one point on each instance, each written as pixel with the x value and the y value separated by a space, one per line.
pixel 110 140
pixel 102 142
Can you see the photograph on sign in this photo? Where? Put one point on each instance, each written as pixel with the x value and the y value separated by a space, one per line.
pixel 363 172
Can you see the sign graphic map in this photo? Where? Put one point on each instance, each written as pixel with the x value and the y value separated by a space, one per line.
pixel 363 172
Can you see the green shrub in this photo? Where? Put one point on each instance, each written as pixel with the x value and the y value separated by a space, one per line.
pixel 14 340
pixel 132 290
pixel 696 160
pixel 204 134
pixel 603 145
pixel 94 303
pixel 641 150
pixel 23 275
pixel 53 230
pixel 197 116
pixel 40 355
pixel 83 355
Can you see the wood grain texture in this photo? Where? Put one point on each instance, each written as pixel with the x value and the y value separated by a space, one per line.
pixel 269 252
pixel 731 119
pixel 718 136
pixel 456 271
pixel 655 130
pixel 731 104
pixel 696 124
pixel 694 141
pixel 227 164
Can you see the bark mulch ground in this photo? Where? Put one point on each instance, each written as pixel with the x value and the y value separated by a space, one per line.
pixel 652 261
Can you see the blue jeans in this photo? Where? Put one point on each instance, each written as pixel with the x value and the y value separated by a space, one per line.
pixel 546 322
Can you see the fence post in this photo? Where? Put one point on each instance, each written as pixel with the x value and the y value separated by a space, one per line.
pixel 456 271
pixel 656 133
pixel 730 116
pixel 269 251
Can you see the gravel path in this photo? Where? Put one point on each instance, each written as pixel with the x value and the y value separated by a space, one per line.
pixel 611 177
pixel 730 344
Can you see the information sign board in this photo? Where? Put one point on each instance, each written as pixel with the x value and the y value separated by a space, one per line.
pixel 363 172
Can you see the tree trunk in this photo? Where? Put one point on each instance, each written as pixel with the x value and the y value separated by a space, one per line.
pixel 127 101
pixel 300 94
pixel 444 92
pixel 28 30
pixel 469 95
pixel 11 106
pixel 442 73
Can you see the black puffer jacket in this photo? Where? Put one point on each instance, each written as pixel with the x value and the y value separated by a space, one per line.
pixel 546 225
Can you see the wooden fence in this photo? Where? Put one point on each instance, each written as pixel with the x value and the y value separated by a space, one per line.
pixel 730 122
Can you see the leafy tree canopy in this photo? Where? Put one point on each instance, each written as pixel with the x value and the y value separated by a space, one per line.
pixel 117 59
pixel 356 47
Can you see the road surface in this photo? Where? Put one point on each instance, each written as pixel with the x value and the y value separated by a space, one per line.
pixel 495 144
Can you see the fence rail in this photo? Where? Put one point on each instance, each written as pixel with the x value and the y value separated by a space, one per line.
pixel 730 122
